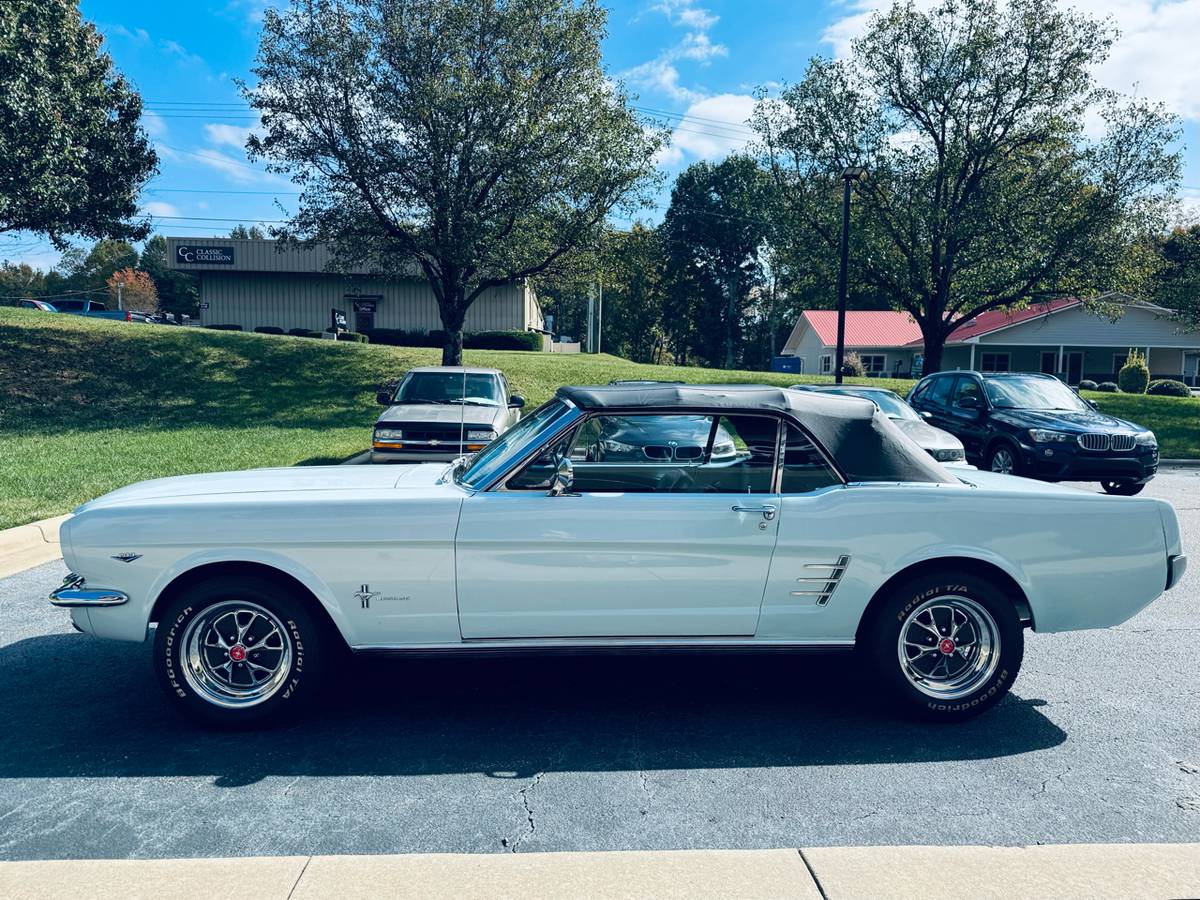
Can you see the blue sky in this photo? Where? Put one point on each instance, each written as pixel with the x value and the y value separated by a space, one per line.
pixel 694 61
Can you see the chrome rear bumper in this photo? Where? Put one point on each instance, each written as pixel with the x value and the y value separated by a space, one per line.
pixel 1176 566
pixel 72 593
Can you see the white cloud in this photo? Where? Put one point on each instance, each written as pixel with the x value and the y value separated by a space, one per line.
pixel 174 48
pixel 1189 206
pixel 159 208
pixel 686 14
pixel 137 35
pixel 662 77
pixel 1150 58
pixel 708 130
pixel 154 124
pixel 222 135
pixel 234 169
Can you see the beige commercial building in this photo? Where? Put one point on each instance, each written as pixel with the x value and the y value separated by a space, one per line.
pixel 255 283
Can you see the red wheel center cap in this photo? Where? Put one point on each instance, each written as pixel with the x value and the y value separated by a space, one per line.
pixel 946 645
pixel 237 653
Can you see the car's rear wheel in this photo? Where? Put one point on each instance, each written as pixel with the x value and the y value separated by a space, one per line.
pixel 236 651
pixel 1004 459
pixel 1122 488
pixel 946 645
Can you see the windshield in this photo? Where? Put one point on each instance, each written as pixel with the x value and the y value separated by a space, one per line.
pixel 475 389
pixel 1032 393
pixel 505 450
pixel 891 404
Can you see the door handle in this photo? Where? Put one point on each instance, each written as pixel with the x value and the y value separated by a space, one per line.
pixel 768 512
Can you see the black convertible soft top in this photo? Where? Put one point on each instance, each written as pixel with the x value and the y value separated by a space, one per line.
pixel 862 440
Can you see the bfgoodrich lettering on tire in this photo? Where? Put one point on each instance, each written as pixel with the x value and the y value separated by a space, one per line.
pixel 232 651
pixel 946 645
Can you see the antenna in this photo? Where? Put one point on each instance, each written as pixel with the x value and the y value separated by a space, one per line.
pixel 462 413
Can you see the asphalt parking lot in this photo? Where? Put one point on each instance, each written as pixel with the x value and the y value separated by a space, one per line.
pixel 1099 742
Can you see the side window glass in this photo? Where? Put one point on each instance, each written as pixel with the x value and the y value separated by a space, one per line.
pixel 804 469
pixel 967 387
pixel 939 391
pixel 674 454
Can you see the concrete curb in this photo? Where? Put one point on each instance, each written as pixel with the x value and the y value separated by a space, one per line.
pixel 826 873
pixel 1180 463
pixel 359 460
pixel 29 545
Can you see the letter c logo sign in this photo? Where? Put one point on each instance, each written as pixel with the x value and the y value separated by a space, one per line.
pixel 186 254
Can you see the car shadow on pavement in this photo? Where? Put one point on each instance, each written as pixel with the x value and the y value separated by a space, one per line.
pixel 74 706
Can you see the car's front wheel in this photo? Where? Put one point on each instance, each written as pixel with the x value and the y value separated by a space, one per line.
pixel 1004 459
pixel 1122 488
pixel 235 651
pixel 946 646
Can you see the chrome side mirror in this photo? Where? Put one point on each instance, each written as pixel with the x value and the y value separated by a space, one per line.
pixel 564 478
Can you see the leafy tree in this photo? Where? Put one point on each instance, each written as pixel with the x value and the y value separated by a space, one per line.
pixel 178 292
pixel 134 289
pixel 714 234
pixel 983 190
pixel 253 233
pixel 473 141
pixel 73 156
pixel 18 280
pixel 634 295
pixel 92 270
pixel 1177 283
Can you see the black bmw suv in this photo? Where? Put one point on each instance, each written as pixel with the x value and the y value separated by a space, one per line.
pixel 1034 425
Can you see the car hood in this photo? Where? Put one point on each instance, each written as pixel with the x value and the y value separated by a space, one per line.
pixel 926 436
pixel 441 414
pixel 260 481
pixel 1065 420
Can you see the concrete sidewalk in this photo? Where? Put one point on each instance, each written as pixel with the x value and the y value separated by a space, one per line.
pixel 834 873
pixel 29 545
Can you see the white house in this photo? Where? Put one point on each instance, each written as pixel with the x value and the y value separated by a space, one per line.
pixel 1062 337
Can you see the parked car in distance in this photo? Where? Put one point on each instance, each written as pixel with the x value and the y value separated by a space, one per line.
pixel 1034 425
pixel 832 531
pixel 941 445
pixel 438 413
pixel 98 310
pixel 36 304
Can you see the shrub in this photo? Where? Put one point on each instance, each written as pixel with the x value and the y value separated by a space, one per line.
pixel 268 329
pixel 224 327
pixel 298 332
pixel 354 337
pixel 1087 385
pixel 503 340
pixel 312 334
pixel 1107 387
pixel 397 337
pixel 852 364
pixel 1134 376
pixel 1166 387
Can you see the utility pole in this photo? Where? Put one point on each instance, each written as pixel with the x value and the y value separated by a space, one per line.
pixel 600 318
pixel 591 320
pixel 849 176
pixel 120 293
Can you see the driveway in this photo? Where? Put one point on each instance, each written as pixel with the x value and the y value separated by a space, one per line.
pixel 1099 742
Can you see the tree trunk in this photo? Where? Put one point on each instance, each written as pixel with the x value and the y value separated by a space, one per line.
pixel 453 349
pixel 730 311
pixel 453 316
pixel 934 335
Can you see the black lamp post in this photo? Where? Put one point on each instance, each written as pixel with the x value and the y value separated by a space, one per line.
pixel 850 175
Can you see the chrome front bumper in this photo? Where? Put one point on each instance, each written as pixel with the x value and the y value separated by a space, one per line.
pixel 72 594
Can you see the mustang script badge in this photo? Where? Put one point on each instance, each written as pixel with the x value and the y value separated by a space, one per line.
pixel 127 557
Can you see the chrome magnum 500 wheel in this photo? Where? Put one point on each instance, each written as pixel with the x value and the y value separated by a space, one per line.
pixel 947 645
pixel 237 650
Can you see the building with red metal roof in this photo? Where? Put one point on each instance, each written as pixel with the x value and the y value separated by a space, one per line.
pixel 1065 337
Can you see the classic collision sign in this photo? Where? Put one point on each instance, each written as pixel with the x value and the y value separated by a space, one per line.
pixel 209 255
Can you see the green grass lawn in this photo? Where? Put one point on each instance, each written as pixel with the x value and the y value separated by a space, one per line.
pixel 88 406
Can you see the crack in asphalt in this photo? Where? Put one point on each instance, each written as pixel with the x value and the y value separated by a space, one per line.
pixel 639 763
pixel 524 795
pixel 1058 778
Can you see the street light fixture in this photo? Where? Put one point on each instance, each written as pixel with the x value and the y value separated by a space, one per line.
pixel 850 175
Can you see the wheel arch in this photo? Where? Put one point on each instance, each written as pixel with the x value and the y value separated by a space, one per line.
pixel 982 568
pixel 995 440
pixel 202 572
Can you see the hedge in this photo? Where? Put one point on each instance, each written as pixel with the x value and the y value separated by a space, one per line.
pixel 1107 387
pixel 1087 385
pixel 268 329
pixel 478 340
pixel 354 337
pixel 224 327
pixel 1167 387
pixel 299 332
pixel 1134 376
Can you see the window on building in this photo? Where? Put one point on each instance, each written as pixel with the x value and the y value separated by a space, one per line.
pixel 994 362
pixel 1118 361
pixel 874 363
pixel 826 364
